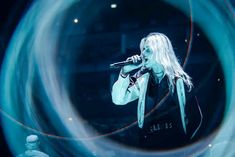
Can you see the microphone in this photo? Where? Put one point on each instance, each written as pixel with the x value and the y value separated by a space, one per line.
pixel 123 63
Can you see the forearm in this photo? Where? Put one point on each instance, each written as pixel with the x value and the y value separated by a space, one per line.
pixel 122 93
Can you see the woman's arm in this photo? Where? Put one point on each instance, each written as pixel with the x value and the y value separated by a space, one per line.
pixel 182 101
pixel 124 91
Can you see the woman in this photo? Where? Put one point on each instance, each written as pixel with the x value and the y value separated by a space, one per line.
pixel 157 62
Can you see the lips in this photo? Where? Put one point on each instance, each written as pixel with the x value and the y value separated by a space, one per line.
pixel 144 59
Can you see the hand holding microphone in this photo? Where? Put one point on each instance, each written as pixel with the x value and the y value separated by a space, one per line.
pixel 131 63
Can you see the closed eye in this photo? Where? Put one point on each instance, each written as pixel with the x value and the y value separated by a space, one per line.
pixel 148 51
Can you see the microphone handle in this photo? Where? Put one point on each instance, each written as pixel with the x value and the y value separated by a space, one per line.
pixel 120 64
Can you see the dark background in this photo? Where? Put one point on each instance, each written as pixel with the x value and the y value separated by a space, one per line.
pixel 118 32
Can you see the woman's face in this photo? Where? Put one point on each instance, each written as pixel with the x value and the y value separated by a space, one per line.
pixel 148 56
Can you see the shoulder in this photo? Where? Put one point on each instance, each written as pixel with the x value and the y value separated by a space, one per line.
pixel 179 84
pixel 178 80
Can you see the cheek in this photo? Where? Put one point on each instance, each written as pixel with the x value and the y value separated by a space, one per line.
pixel 152 56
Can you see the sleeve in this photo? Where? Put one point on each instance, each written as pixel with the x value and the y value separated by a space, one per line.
pixel 125 90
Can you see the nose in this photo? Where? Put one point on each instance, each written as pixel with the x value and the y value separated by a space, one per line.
pixel 142 56
pixel 145 52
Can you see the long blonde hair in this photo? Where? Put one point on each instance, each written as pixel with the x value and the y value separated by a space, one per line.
pixel 165 55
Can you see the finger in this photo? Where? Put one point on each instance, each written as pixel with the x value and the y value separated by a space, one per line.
pixel 136 59
pixel 133 59
pixel 129 58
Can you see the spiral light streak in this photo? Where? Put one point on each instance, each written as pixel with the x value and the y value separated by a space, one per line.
pixel 30 70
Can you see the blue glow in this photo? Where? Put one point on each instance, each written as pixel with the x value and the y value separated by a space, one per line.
pixel 30 65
